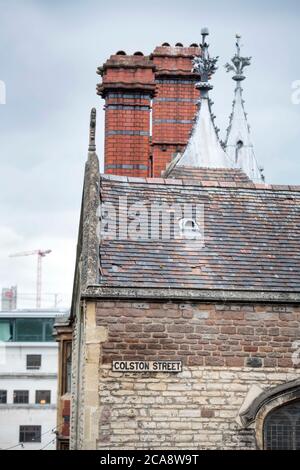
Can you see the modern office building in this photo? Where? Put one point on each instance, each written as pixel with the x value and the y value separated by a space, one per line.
pixel 28 379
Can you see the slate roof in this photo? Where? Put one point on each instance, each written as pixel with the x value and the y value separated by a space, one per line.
pixel 209 174
pixel 252 238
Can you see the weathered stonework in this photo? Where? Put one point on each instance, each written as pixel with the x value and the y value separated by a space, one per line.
pixel 94 336
pixel 195 409
pixel 85 413
pixel 199 408
pixel 76 388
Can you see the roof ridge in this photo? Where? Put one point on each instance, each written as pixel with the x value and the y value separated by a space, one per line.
pixel 208 183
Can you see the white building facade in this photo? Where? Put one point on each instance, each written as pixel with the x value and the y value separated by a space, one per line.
pixel 28 379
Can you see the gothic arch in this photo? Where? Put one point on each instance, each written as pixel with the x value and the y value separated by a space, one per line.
pixel 266 402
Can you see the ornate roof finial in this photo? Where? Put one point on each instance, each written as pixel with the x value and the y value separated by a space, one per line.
pixel 239 63
pixel 238 142
pixel 204 65
pixel 92 135
pixel 204 148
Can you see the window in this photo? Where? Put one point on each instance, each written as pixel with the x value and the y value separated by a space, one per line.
pixel 3 396
pixel 21 396
pixel 29 329
pixel 6 330
pixel 48 330
pixel 282 428
pixel 34 329
pixel 30 433
pixel 33 361
pixel 63 444
pixel 67 365
pixel 42 397
pixel 26 329
pixel 238 147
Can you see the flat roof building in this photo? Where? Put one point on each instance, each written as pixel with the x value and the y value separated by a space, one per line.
pixel 28 379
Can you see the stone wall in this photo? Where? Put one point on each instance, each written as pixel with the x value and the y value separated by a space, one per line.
pixel 76 385
pixel 86 360
pixel 195 409
pixel 226 349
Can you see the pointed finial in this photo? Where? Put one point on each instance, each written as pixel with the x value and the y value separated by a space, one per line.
pixel 204 45
pixel 238 139
pixel 204 65
pixel 204 33
pixel 238 46
pixel 92 136
pixel 239 63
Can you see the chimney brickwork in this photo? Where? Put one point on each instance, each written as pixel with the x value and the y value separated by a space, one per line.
pixel 138 142
pixel 127 87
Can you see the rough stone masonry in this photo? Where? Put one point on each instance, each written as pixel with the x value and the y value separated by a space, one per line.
pixel 227 350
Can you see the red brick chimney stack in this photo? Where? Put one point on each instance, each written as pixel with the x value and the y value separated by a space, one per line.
pixel 129 84
pixel 127 87
pixel 174 106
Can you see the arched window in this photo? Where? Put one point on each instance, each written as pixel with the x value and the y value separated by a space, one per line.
pixel 238 147
pixel 275 413
pixel 282 428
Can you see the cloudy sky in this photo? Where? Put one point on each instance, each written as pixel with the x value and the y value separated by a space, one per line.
pixel 49 52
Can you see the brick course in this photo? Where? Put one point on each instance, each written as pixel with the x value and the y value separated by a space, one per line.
pixel 200 334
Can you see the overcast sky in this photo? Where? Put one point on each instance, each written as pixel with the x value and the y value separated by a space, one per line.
pixel 49 52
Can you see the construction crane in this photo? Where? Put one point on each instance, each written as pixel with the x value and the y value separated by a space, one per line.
pixel 40 255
